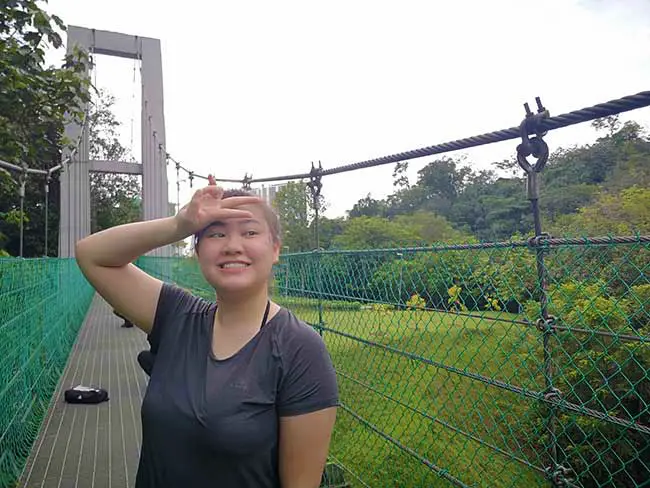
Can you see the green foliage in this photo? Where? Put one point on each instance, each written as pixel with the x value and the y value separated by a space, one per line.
pixel 420 228
pixel 114 198
pixel 292 204
pixel 623 213
pixel 368 207
pixel 375 232
pixel 328 229
pixel 493 206
pixel 454 300
pixel 416 302
pixel 603 373
pixel 35 103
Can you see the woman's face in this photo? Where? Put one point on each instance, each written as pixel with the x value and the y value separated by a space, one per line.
pixel 237 255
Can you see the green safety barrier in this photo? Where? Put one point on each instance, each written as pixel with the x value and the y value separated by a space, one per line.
pixel 515 363
pixel 42 305
pixel 502 364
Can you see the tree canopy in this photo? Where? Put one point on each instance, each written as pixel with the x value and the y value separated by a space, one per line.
pixel 36 101
pixel 594 189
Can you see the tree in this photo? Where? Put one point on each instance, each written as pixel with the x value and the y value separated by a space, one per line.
pixel 35 103
pixel 443 182
pixel 369 207
pixel 328 229
pixel 400 177
pixel 292 204
pixel 115 198
pixel 429 227
pixel 376 232
pixel 624 213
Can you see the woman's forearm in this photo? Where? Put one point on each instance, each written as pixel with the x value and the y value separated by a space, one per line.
pixel 123 244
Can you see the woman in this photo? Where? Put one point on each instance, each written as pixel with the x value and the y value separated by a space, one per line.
pixel 242 393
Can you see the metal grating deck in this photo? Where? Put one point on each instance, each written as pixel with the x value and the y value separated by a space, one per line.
pixel 94 445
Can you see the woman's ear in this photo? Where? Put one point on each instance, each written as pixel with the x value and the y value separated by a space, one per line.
pixel 276 252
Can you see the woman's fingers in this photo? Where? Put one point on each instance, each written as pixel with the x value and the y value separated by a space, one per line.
pixel 215 191
pixel 228 213
pixel 211 181
pixel 239 201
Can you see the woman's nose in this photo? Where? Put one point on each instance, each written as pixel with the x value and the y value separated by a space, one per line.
pixel 233 244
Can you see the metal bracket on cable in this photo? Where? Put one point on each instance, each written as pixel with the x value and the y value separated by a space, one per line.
pixel 559 476
pixel 161 149
pixel 22 179
pixel 191 177
pixel 536 243
pixel 533 146
pixel 246 181
pixel 315 176
pixel 547 324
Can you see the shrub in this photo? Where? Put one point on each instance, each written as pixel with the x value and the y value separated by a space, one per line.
pixel 416 302
pixel 597 369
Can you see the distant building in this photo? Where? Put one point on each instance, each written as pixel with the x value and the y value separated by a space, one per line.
pixel 268 192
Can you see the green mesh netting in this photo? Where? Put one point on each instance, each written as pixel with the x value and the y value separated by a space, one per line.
pixel 486 365
pixel 42 306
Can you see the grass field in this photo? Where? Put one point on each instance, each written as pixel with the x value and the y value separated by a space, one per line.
pixel 460 426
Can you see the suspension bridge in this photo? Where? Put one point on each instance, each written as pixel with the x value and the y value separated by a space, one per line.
pixel 538 377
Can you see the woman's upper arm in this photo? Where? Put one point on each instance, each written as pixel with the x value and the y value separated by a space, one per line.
pixel 129 290
pixel 308 397
pixel 304 444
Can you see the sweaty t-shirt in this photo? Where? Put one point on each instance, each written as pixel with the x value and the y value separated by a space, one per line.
pixel 209 423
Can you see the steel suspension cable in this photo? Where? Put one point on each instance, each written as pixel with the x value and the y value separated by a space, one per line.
pixel 612 107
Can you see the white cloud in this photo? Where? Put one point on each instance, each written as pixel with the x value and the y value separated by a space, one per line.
pixel 267 87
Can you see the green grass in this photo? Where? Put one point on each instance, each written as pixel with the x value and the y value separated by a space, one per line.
pixel 384 388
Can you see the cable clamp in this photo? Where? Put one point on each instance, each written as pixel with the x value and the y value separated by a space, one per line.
pixel 535 146
pixel 553 394
pixel 537 241
pixel 559 476
pixel 246 181
pixel 315 176
pixel 546 324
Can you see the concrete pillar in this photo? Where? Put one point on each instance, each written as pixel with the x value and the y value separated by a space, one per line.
pixel 75 182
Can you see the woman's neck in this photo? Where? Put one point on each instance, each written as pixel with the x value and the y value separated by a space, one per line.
pixel 241 311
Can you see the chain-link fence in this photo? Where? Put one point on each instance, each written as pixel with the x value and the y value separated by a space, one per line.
pixel 460 363
pixel 43 303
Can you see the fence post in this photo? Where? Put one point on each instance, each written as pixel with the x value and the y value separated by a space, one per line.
pixel 536 147
pixel 21 192
pixel 48 180
pixel 315 185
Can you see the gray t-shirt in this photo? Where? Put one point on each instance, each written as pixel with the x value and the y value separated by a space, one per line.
pixel 214 423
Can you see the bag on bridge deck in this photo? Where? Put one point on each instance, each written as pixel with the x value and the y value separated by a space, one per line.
pixel 85 394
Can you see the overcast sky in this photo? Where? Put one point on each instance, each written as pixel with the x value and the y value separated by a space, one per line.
pixel 265 88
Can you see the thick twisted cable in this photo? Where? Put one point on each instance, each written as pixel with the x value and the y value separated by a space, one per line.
pixel 613 107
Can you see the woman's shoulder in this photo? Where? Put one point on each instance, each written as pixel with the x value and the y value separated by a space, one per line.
pixel 293 334
pixel 290 326
pixel 182 300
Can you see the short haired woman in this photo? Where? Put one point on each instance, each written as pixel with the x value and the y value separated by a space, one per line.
pixel 242 393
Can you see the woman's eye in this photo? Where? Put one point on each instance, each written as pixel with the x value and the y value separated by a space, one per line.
pixel 216 234
pixel 251 233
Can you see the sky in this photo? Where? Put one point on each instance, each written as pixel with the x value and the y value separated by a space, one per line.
pixel 267 88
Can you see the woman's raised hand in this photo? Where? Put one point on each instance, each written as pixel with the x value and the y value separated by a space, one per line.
pixel 207 206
